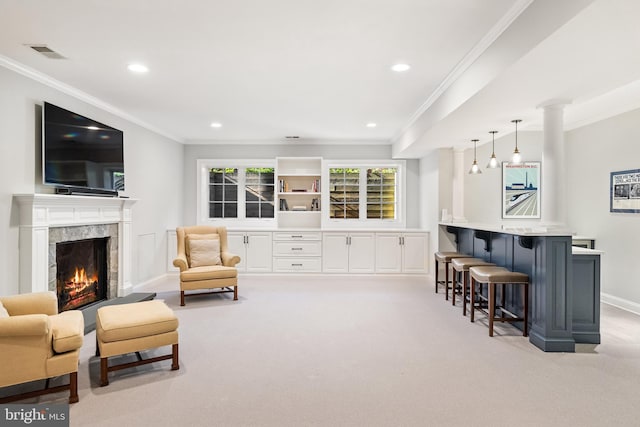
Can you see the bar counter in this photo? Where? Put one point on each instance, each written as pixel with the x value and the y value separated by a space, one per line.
pixel 564 300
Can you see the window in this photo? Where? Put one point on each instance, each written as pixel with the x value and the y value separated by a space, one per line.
pixel 237 190
pixel 344 193
pixel 223 193
pixel 259 192
pixel 367 194
pixel 381 193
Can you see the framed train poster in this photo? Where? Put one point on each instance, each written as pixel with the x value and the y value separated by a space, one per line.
pixel 521 190
pixel 625 191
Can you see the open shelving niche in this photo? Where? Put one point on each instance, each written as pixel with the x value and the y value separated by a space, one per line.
pixel 298 189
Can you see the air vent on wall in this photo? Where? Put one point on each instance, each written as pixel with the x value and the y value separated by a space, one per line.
pixel 43 49
pixel 292 137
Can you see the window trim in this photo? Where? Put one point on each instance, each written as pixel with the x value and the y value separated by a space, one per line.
pixel 363 222
pixel 202 185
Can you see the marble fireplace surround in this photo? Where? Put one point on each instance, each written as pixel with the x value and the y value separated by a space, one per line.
pixel 46 219
pixel 84 232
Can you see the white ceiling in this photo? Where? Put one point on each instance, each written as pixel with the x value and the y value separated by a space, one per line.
pixel 321 69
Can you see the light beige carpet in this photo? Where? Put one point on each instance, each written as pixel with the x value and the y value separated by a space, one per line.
pixel 361 351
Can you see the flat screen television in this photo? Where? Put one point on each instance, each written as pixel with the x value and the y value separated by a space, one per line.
pixel 81 155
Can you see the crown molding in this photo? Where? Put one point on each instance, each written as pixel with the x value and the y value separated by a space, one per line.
pixel 301 141
pixel 493 34
pixel 78 94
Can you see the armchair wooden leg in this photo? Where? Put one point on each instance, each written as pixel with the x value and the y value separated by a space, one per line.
pixel 235 293
pixel 182 298
pixel 73 387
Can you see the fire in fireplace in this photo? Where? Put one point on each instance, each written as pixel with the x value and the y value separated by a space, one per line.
pixel 82 272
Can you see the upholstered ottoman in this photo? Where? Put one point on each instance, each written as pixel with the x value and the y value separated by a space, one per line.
pixel 129 328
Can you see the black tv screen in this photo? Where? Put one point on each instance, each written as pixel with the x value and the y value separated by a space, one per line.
pixel 81 153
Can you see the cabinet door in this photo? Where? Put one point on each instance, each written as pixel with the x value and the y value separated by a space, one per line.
pixel 335 253
pixel 259 252
pixel 236 245
pixel 388 253
pixel 362 253
pixel 415 250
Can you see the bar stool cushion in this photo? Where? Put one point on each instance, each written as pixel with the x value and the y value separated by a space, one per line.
pixel 485 274
pixel 463 264
pixel 448 256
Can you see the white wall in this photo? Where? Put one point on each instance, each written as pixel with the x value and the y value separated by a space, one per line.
pixel 483 192
pixel 194 152
pixel 595 151
pixel 153 167
pixel 435 195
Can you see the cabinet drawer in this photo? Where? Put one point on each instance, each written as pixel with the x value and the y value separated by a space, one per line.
pixel 306 235
pixel 311 264
pixel 297 248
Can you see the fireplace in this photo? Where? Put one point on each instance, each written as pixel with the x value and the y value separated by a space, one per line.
pixel 49 219
pixel 82 268
pixel 92 252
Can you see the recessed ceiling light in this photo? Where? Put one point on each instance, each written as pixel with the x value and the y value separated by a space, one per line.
pixel 371 125
pixel 400 67
pixel 138 68
pixel 216 125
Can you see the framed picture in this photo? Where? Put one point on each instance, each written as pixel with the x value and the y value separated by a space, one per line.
pixel 624 191
pixel 521 190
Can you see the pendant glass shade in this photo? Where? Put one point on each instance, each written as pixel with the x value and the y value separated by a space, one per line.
pixel 475 169
pixel 516 159
pixel 493 161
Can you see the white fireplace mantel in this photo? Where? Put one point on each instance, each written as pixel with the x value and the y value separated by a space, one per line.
pixel 39 212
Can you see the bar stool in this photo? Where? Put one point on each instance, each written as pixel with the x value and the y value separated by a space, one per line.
pixel 462 265
pixel 493 276
pixel 446 257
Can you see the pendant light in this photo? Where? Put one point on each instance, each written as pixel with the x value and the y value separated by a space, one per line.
pixel 517 158
pixel 493 161
pixel 475 169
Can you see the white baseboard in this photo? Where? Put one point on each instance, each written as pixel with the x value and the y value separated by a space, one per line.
pixel 138 287
pixel 624 304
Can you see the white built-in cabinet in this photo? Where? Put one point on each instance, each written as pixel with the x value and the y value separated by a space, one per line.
pixel 254 249
pixel 402 252
pixel 298 192
pixel 297 251
pixel 348 252
pixel 315 251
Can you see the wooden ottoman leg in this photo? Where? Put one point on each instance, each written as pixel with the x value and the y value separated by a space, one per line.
pixel 73 387
pixel 104 371
pixel 182 298
pixel 235 293
pixel 175 365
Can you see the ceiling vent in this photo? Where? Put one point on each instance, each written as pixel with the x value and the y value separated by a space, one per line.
pixel 43 49
pixel 292 137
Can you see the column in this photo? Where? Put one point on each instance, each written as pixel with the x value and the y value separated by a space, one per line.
pixel 457 198
pixel 553 173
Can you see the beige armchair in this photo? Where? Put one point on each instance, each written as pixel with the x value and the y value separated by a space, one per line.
pixel 38 343
pixel 205 262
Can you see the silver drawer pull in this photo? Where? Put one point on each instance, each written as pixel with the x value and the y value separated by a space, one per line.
pixel 296 265
pixel 296 237
pixel 296 249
